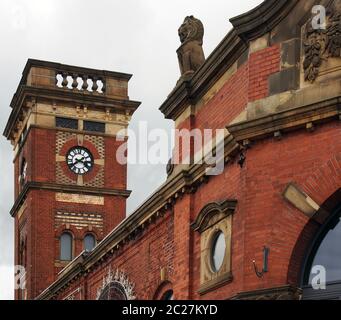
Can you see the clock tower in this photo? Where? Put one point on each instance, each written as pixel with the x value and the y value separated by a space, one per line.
pixel 70 190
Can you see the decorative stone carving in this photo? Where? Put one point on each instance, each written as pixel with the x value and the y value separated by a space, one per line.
pixel 116 286
pixel 321 44
pixel 213 219
pixel 190 54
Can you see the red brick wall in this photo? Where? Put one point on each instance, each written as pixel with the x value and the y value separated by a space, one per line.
pixel 43 247
pixel 115 173
pixel 247 84
pixel 142 260
pixel 262 64
pixel 263 218
pixel 227 103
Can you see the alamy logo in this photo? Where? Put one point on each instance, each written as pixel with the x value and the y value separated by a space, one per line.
pixel 191 147
pixel 319 280
pixel 319 20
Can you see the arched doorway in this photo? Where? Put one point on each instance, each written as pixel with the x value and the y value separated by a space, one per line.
pixel 323 262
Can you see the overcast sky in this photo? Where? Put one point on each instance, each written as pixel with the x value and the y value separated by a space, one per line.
pixel 133 36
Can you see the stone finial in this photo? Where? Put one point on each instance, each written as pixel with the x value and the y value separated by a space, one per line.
pixel 190 54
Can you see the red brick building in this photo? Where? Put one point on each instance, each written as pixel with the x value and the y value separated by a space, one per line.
pixel 253 232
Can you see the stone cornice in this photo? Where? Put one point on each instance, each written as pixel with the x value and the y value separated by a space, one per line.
pixel 281 122
pixel 287 292
pixel 64 188
pixel 227 207
pixel 262 19
pixel 65 95
pixel 248 26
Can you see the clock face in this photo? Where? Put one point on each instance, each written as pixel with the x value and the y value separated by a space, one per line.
pixel 80 160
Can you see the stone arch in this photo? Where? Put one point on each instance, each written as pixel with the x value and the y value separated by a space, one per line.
pixel 324 187
pixel 305 241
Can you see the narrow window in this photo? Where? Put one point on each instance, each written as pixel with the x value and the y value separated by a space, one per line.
pixel 66 247
pixel 94 126
pixel 66 123
pixel 89 242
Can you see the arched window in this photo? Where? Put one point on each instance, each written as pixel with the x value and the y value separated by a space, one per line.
pixel 168 295
pixel 113 291
pixel 66 246
pixel 89 242
pixel 323 265
pixel 164 291
pixel 23 172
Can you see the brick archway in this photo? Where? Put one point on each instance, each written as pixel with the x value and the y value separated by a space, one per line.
pixel 162 289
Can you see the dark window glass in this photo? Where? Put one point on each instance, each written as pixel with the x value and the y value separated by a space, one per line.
pixel 168 295
pixel 218 251
pixel 94 126
pixel 66 247
pixel 66 123
pixel 328 253
pixel 89 242
pixel 113 291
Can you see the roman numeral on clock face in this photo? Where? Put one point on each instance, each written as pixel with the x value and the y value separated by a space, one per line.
pixel 79 160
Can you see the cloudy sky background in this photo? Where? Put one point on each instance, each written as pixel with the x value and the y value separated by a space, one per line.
pixel 133 36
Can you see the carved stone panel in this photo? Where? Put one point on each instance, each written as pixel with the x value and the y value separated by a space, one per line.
pixel 322 47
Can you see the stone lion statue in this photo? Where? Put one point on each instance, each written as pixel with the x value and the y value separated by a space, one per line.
pixel 190 54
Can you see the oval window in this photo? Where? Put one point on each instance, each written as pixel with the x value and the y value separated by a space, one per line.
pixel 218 251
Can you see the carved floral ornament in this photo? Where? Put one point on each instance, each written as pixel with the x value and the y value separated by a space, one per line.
pixel 116 286
pixel 321 44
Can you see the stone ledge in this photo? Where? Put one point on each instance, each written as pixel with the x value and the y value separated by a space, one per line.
pixel 278 293
pixel 65 189
pixel 286 120
pixel 216 283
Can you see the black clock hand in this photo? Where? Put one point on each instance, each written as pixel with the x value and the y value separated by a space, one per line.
pixel 79 160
